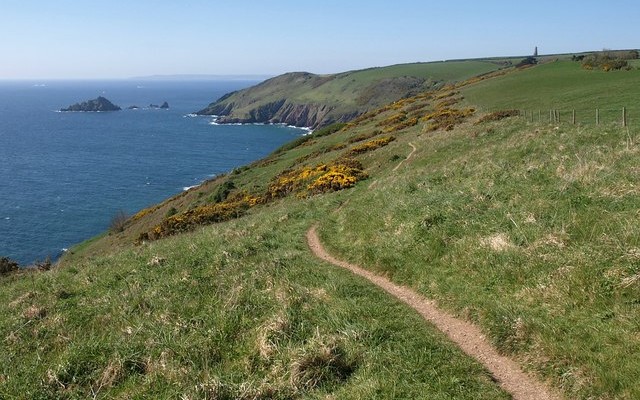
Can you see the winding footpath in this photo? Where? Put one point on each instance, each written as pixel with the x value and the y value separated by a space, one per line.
pixel 406 158
pixel 464 334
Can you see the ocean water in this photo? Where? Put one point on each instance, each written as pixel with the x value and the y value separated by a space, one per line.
pixel 63 176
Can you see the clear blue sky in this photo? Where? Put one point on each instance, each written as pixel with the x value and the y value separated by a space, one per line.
pixel 118 39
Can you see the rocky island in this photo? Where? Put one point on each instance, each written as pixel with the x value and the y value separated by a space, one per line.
pixel 99 104
pixel 164 106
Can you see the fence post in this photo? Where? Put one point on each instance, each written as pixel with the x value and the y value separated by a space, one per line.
pixel 550 116
pixel 539 116
pixel 573 117
pixel 597 116
pixel 624 116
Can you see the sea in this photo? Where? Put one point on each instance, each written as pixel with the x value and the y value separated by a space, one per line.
pixel 64 175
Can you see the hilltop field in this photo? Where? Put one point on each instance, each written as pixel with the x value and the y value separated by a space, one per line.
pixel 465 193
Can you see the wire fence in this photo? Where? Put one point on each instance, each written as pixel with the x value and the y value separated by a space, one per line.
pixel 623 117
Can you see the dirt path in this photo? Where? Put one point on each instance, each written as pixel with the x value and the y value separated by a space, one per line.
pixel 464 334
pixel 374 183
pixel 406 158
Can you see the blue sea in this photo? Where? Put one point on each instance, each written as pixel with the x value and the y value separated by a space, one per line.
pixel 63 176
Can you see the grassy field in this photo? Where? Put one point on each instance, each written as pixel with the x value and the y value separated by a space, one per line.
pixel 527 229
pixel 235 311
pixel 562 85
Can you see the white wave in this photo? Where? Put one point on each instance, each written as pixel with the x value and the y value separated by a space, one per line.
pixel 64 249
pixel 7 218
pixel 190 187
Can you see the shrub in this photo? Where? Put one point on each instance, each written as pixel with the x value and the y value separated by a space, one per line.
pixel 404 124
pixel 338 175
pixel 393 120
pixel 448 102
pixel 222 192
pixel 7 265
pixel 527 62
pixel 370 145
pixel 498 115
pixel 364 136
pixel 446 118
pixel 118 222
pixel 208 214
pixel 605 61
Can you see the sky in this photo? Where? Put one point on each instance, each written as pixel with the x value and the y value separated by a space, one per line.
pixel 115 39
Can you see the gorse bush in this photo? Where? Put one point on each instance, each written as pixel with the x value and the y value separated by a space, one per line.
pixel 338 175
pixel 605 61
pixel 304 181
pixel 229 209
pixel 393 120
pixel 446 118
pixel 370 145
pixel 363 136
pixel 322 178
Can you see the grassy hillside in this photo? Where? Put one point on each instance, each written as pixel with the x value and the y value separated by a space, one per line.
pixel 318 100
pixel 562 85
pixel 527 229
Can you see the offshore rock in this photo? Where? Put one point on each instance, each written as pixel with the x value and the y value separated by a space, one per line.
pixel 99 104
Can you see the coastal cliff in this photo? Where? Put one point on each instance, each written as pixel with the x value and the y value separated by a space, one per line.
pixel 310 100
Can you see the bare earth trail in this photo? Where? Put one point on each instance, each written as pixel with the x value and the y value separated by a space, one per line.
pixel 406 158
pixel 467 336
pixel 374 183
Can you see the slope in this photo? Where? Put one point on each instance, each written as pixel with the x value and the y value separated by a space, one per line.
pixel 563 86
pixel 304 99
pixel 525 229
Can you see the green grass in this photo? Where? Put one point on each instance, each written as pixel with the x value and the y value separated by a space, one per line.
pixel 237 310
pixel 561 85
pixel 527 229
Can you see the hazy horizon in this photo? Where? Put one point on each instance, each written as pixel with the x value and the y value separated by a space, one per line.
pixel 120 40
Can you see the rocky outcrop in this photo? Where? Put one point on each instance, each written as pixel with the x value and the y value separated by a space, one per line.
pixel 99 104
pixel 164 106
pixel 285 112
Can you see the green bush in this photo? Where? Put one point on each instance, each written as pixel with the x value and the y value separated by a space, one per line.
pixel 222 192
